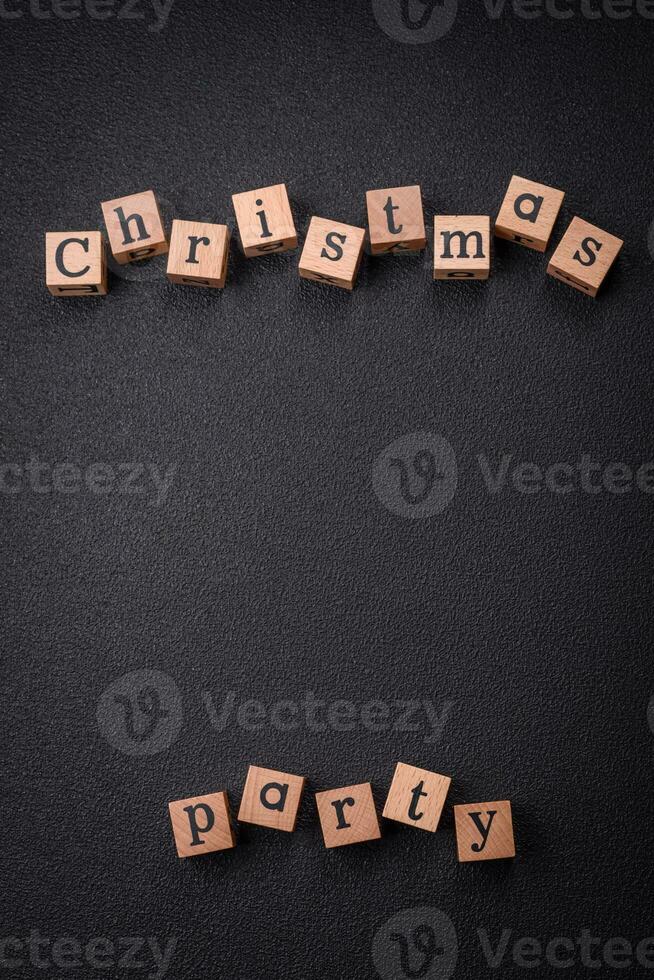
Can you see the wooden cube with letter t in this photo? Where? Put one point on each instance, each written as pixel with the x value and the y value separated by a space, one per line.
pixel 134 227
pixel 416 797
pixel 332 253
pixel 528 213
pixel 271 798
pixel 484 831
pixel 461 246
pixel 75 263
pixel 395 220
pixel 201 824
pixel 265 221
pixel 584 256
pixel 198 254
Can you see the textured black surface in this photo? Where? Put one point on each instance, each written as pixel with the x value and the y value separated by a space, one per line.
pixel 272 568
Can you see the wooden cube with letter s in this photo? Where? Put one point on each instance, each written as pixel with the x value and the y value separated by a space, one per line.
pixel 332 253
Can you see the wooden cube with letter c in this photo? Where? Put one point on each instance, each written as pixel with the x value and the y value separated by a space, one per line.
pixel 75 263
pixel 584 256
pixel 348 815
pixel 198 254
pixel 484 831
pixel 528 213
pixel 416 797
pixel 134 227
pixel 332 253
pixel 271 798
pixel 461 246
pixel 201 824
pixel 265 221
pixel 395 220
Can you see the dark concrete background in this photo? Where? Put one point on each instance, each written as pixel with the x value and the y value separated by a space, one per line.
pixel 272 568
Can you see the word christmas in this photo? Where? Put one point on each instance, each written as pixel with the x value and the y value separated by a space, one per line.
pixel 484 831
pixel 198 252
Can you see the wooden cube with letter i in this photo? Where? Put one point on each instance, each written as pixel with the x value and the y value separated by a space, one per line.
pixel 265 221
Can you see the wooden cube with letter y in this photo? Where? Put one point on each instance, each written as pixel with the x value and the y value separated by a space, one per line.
pixel 348 815
pixel 271 798
pixel 75 263
pixel 332 253
pixel 134 227
pixel 484 831
pixel 198 254
pixel 201 824
pixel 584 256
pixel 461 246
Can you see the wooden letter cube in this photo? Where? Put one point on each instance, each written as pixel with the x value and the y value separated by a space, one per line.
pixel 271 798
pixel 134 227
pixel 198 254
pixel 416 797
pixel 332 253
pixel 584 256
pixel 201 824
pixel 528 213
pixel 484 831
pixel 395 220
pixel 348 815
pixel 75 263
pixel 265 222
pixel 461 247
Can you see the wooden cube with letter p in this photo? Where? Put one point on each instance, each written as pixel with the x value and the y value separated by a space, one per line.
pixel 348 815
pixel 395 220
pixel 528 213
pixel 271 798
pixel 461 246
pixel 484 831
pixel 265 221
pixel 201 824
pixel 332 253
pixel 134 227
pixel 75 263
pixel 198 254
pixel 584 256
pixel 416 797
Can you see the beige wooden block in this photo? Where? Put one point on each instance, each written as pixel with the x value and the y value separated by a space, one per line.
pixel 75 263
pixel 528 213
pixel 348 815
pixel 271 798
pixel 201 824
pixel 584 256
pixel 332 253
pixel 461 246
pixel 134 227
pixel 484 831
pixel 416 797
pixel 265 220
pixel 395 220
pixel 198 254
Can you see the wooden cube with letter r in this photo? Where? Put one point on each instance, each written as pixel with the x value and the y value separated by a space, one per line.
pixel 348 815
pixel 198 254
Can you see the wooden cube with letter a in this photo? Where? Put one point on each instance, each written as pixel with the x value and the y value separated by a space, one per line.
pixel 416 797
pixel 484 831
pixel 271 798
pixel 584 256
pixel 201 824
pixel 332 253
pixel 198 254
pixel 528 213
pixel 265 221
pixel 461 246
pixel 134 227
pixel 75 263
pixel 396 221
pixel 348 815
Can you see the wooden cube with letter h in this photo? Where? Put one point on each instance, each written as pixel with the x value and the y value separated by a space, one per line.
pixel 198 254
pixel 75 263
pixel 528 213
pixel 271 798
pixel 484 831
pixel 584 256
pixel 134 227
pixel 265 221
pixel 461 246
pixel 332 253
pixel 416 797
pixel 201 824
pixel 348 815
pixel 395 220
